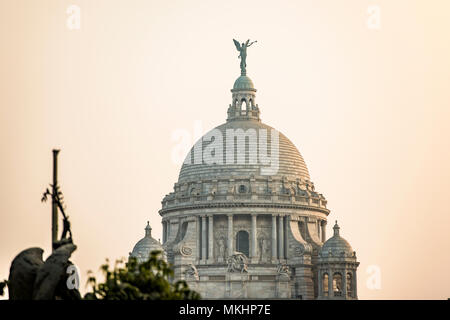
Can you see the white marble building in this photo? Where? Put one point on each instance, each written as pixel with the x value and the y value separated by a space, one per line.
pixel 233 229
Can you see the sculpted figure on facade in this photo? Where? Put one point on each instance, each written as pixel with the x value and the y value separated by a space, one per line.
pixel 237 263
pixel 195 191
pixel 264 248
pixel 232 189
pixel 221 248
pixel 283 270
pixel 213 191
pixel 192 273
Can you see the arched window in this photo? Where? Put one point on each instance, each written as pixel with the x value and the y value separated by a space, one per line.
pixel 242 243
pixel 242 189
pixel 325 284
pixel 349 285
pixel 337 284
pixel 243 107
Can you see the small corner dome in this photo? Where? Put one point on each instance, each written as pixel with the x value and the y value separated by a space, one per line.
pixel 336 244
pixel 146 245
pixel 243 83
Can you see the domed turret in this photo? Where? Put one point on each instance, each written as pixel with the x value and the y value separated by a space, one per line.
pixel 243 105
pixel 146 245
pixel 337 269
pixel 244 83
pixel 336 245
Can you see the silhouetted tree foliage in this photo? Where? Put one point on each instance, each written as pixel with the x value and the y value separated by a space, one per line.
pixel 139 281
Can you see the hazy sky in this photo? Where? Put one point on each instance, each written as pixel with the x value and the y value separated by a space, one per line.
pixel 367 108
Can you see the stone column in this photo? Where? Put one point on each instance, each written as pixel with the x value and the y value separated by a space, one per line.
pixel 168 230
pixel 230 235
pixel 254 242
pixel 319 229
pixel 320 279
pixel 274 238
pixel 330 284
pixel 324 231
pixel 165 231
pixel 280 237
pixel 210 239
pixel 199 235
pixel 286 230
pixel 204 239
pixel 344 284
pixel 355 286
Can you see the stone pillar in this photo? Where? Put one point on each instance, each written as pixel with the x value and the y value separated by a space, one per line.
pixel 280 237
pixel 168 230
pixel 355 286
pixel 199 235
pixel 319 229
pixel 330 284
pixel 165 231
pixel 254 242
pixel 210 239
pixel 204 239
pixel 324 231
pixel 274 238
pixel 286 230
pixel 344 284
pixel 320 284
pixel 230 235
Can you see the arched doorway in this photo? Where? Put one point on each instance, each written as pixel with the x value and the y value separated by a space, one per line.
pixel 337 284
pixel 242 242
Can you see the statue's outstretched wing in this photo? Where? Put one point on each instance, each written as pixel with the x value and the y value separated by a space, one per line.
pixel 238 45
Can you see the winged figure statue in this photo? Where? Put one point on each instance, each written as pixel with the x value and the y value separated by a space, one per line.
pixel 242 48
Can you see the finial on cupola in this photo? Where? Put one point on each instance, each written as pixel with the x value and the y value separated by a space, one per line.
pixel 336 229
pixel 148 230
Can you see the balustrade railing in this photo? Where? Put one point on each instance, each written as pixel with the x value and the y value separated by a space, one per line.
pixel 247 196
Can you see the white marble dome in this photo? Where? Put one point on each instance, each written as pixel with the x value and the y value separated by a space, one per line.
pixel 291 163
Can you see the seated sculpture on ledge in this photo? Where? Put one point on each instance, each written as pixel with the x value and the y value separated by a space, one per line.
pixel 237 262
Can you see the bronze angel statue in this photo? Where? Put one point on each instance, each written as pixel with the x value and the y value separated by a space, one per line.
pixel 242 48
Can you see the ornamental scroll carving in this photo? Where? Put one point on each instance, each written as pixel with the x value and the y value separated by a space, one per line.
pixel 186 251
pixel 299 251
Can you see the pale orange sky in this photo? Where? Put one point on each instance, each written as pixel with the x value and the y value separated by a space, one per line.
pixel 367 109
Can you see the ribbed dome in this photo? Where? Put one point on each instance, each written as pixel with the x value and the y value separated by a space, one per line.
pixel 336 244
pixel 243 83
pixel 145 246
pixel 291 163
